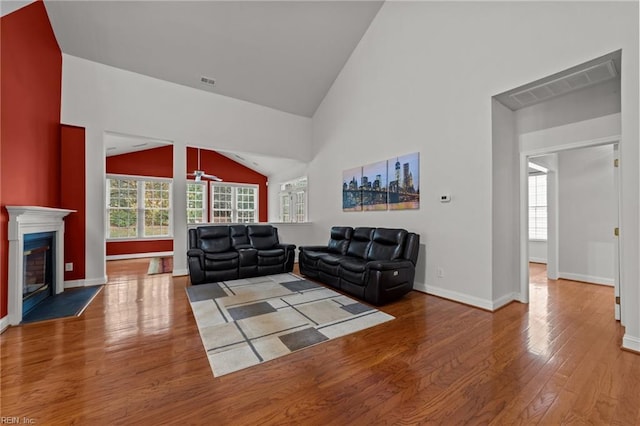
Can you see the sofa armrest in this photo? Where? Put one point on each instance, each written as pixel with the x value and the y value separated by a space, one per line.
pixel 195 259
pixel 242 246
pixel 286 247
pixel 314 248
pixel 388 279
pixel 389 265
pixel 195 253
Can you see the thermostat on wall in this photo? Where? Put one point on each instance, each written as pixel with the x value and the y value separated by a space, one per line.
pixel 445 198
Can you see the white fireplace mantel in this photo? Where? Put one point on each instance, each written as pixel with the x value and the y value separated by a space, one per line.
pixel 30 220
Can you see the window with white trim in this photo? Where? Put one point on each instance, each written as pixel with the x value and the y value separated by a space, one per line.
pixel 538 207
pixel 293 200
pixel 196 202
pixel 138 207
pixel 234 203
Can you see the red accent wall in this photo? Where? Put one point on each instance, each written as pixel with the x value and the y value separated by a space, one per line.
pixel 72 196
pixel 141 246
pixel 155 162
pixel 229 171
pixel 30 93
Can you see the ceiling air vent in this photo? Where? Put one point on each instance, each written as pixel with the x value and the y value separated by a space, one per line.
pixel 208 81
pixel 567 83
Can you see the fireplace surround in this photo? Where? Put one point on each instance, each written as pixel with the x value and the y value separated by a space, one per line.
pixel 26 220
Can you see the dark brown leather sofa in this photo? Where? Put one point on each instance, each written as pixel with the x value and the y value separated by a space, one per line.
pixel 229 252
pixel 374 264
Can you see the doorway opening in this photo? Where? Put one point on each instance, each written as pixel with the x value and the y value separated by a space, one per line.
pixel 578 242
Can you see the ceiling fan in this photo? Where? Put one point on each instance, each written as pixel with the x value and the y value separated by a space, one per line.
pixel 199 174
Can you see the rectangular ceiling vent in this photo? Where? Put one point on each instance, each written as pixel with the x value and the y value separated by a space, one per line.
pixel 207 81
pixel 565 84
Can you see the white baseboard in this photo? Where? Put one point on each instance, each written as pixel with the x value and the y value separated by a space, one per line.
pixel 631 342
pixel 487 305
pixel 458 297
pixel 505 300
pixel 538 260
pixel 4 323
pixel 85 283
pixel 139 255
pixel 586 278
pixel 180 272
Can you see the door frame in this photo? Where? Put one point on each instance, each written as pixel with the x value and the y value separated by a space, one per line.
pixel 524 203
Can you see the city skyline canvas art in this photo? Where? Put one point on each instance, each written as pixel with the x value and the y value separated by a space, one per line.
pixel 351 191
pixel 392 184
pixel 404 182
pixel 374 186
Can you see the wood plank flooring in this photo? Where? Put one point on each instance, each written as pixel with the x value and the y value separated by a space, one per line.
pixel 135 357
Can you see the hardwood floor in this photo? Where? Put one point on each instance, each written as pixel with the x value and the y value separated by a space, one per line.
pixel 135 357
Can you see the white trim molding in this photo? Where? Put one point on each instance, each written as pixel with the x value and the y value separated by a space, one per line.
pixel 25 220
pixel 631 343
pixel 4 323
pixel 85 283
pixel 587 279
pixel 180 272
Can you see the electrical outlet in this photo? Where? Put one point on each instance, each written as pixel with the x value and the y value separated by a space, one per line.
pixel 440 272
pixel 68 267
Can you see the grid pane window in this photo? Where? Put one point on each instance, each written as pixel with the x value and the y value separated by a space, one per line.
pixel 246 204
pixel 156 209
pixel 293 201
pixel 285 207
pixel 222 202
pixel 196 203
pixel 122 209
pixel 234 203
pixel 138 208
pixel 300 206
pixel 538 207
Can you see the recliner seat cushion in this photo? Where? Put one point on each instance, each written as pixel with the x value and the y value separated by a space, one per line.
pixel 353 264
pixel 220 261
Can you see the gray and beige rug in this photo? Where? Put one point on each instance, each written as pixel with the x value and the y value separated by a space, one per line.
pixel 249 321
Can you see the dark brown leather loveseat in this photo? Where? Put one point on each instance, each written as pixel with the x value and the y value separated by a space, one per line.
pixel 374 264
pixel 229 252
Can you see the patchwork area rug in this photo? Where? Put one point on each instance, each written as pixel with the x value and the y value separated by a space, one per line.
pixel 160 265
pixel 249 321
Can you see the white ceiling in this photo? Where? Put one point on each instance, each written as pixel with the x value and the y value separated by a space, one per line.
pixel 280 54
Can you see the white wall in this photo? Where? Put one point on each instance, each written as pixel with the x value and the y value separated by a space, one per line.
pixel 102 98
pixel 505 192
pixel 421 80
pixel 587 213
pixel 538 251
pixel 592 102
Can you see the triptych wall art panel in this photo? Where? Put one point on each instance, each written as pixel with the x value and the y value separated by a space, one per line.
pixel 393 184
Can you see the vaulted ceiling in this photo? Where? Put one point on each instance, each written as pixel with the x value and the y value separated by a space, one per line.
pixel 280 54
